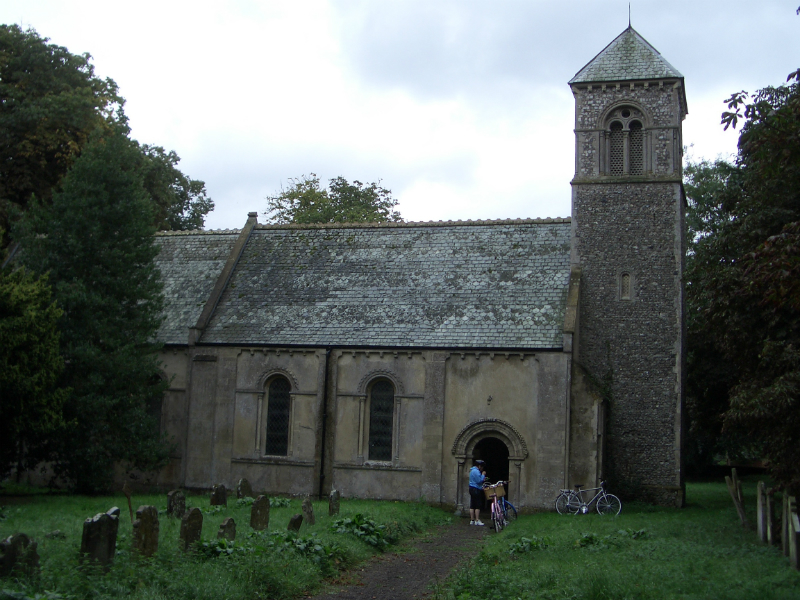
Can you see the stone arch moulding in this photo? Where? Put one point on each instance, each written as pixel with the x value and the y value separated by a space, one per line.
pixel 267 375
pixel 382 374
pixel 603 121
pixel 518 449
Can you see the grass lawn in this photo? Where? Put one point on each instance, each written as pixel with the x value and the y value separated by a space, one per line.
pixel 700 551
pixel 258 565
pixel 647 552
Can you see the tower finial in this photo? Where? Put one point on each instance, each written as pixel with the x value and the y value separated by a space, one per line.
pixel 629 15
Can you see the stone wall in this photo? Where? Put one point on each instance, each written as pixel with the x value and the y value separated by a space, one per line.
pixel 635 228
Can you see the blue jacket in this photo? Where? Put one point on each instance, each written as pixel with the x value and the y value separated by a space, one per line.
pixel 476 478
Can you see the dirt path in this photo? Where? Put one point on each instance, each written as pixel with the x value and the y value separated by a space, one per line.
pixel 410 570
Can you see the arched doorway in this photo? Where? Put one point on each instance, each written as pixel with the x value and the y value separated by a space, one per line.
pixel 500 445
pixel 494 453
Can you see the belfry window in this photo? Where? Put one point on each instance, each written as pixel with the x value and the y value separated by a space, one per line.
pixel 381 420
pixel 278 405
pixel 624 143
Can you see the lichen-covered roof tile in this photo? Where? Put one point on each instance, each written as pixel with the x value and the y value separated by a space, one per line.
pixel 463 285
pixel 628 57
pixel 190 263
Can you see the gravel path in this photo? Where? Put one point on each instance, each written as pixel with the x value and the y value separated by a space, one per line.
pixel 410 570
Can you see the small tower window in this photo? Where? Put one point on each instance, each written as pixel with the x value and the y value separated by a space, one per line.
pixel 625 286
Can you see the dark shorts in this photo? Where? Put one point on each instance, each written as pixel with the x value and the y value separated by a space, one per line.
pixel 475 498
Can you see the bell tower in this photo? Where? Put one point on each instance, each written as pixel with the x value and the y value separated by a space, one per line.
pixel 628 240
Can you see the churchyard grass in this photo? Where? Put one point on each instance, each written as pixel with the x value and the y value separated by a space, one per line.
pixel 646 553
pixel 266 565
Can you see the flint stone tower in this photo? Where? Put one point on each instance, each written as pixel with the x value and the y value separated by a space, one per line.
pixel 628 242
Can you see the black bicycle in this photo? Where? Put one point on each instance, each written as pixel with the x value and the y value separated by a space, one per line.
pixel 574 502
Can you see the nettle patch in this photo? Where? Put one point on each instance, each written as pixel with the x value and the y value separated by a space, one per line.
pixel 525 545
pixel 327 556
pixel 363 528
pixel 593 541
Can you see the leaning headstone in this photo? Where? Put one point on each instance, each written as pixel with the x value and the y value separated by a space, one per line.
pixel 176 503
pixel 794 541
pixel 244 489
pixel 761 512
pixel 333 503
pixel 145 531
pixel 99 539
pixel 18 551
pixel 308 511
pixel 126 489
pixel 259 513
pixel 227 530
pixel 772 531
pixel 219 496
pixel 295 522
pixel 191 527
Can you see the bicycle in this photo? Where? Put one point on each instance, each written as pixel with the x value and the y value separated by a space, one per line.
pixel 509 510
pixel 569 501
pixel 493 492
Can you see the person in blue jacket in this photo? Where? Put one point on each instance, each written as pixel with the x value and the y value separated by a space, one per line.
pixel 477 475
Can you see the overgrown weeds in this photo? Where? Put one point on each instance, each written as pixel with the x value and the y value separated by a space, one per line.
pixel 647 553
pixel 273 563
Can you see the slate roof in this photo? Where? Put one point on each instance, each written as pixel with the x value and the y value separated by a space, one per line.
pixel 629 56
pixel 190 263
pixel 498 284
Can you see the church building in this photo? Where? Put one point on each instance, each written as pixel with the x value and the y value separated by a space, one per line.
pixel 380 359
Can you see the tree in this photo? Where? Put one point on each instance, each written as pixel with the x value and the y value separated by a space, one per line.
pixel 50 104
pixel 30 365
pixel 180 202
pixel 96 242
pixel 343 202
pixel 743 313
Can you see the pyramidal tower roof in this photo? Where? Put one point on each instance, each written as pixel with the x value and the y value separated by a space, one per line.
pixel 629 56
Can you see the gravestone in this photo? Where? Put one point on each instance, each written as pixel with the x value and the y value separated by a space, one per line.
pixel 259 513
pixel 243 489
pixel 99 539
pixel 227 530
pixel 295 522
pixel 176 504
pixel 761 512
pixel 219 495
pixel 18 551
pixel 145 531
pixel 308 511
pixel 772 531
pixel 333 503
pixel 794 541
pixel 191 527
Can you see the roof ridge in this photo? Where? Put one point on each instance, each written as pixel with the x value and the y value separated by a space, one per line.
pixel 200 232
pixel 402 224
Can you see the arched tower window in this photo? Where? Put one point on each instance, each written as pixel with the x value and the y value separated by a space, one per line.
pixel 625 142
pixel 381 420
pixel 278 405
pixel 636 148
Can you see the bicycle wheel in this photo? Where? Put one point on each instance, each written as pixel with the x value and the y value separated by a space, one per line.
pixel 497 520
pixel 609 504
pixel 567 503
pixel 509 512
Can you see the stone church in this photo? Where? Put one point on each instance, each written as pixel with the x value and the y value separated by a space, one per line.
pixel 381 359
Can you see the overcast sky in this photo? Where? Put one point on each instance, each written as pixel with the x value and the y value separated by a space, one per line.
pixel 460 107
